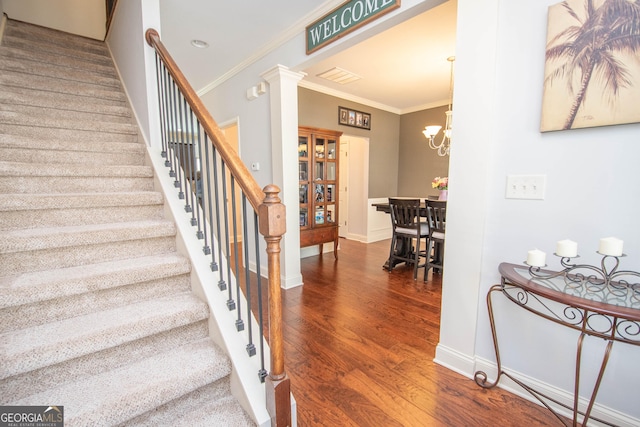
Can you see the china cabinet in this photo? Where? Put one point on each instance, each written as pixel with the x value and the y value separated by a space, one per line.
pixel 318 161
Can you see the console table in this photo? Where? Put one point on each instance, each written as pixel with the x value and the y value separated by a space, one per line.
pixel 593 301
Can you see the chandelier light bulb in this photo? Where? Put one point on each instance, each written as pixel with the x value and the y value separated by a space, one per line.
pixel 431 131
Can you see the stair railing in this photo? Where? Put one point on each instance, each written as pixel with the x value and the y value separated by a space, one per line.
pixel 210 177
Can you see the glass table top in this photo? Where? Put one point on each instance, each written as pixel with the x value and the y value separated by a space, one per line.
pixel 619 293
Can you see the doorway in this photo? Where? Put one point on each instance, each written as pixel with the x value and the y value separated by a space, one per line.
pixel 354 187
pixel 230 131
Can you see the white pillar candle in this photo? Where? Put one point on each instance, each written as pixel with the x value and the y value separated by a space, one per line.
pixel 567 248
pixel 610 246
pixel 536 258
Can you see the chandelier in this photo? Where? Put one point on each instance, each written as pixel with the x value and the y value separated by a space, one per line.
pixel 431 131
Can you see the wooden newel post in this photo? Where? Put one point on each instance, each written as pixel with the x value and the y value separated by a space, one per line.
pixel 272 225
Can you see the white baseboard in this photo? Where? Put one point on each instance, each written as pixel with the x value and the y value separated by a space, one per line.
pixel 454 360
pixel 357 237
pixel 599 411
pixel 377 235
pixel 467 367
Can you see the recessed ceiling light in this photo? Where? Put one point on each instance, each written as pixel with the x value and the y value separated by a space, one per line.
pixel 201 44
pixel 339 75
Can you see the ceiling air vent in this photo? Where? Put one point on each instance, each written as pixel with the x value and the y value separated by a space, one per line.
pixel 339 75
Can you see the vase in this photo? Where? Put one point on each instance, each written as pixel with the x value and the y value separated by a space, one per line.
pixel 443 195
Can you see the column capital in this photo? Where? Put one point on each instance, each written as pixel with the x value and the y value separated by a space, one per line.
pixel 280 72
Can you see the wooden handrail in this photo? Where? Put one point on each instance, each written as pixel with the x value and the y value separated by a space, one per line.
pixel 271 224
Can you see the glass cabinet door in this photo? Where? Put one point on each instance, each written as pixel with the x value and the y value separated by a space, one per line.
pixel 304 170
pixel 303 146
pixel 324 181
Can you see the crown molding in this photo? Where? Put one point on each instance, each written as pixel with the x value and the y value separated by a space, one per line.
pixel 343 95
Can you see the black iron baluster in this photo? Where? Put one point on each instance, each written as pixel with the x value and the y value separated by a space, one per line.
pixel 182 176
pixel 222 285
pixel 251 348
pixel 236 258
pixel 163 138
pixel 209 203
pixel 174 140
pixel 231 304
pixel 167 124
pixel 199 204
pixel 262 373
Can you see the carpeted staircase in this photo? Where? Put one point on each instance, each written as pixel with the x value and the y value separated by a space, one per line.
pixel 96 309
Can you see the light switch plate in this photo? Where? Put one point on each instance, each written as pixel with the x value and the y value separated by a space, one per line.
pixel 529 187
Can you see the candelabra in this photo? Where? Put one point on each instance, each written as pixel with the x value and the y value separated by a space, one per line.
pixel 593 278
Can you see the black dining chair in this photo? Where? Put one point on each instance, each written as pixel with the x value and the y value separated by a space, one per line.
pixel 408 233
pixel 436 215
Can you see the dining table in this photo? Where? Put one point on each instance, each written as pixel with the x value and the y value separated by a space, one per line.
pixel 403 246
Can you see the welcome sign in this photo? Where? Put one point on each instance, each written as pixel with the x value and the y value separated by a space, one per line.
pixel 345 19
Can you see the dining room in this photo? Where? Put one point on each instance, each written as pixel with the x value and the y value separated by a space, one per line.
pixel 392 159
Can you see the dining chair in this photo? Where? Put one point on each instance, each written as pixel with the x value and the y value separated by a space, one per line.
pixel 436 215
pixel 408 233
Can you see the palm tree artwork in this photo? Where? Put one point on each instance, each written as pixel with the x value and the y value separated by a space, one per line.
pixel 592 67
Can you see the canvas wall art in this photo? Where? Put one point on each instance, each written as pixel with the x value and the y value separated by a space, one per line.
pixel 592 64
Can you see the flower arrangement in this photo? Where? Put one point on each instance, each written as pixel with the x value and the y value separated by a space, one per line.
pixel 440 183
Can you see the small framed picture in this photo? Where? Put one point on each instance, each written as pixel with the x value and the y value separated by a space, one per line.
pixel 354 118
pixel 343 114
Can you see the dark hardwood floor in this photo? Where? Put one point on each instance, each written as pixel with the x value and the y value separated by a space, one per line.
pixel 359 349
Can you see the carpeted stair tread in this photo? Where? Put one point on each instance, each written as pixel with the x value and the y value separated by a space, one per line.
pixel 21 202
pixel 50 84
pixel 42 155
pixel 73 170
pixel 24 149
pixel 93 234
pixel 23 211
pixel 62 134
pixel 32 348
pixel 97 147
pixel 211 405
pixel 79 184
pixel 38 68
pixel 78 64
pixel 72 102
pixel 27 31
pixel 43 46
pixel 85 367
pixel 39 286
pixel 114 397
pixel 14 116
pixel 53 310
pixel 61 115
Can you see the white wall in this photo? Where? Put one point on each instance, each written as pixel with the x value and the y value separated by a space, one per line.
pixel 82 17
pixel 129 49
pixel 591 192
pixel 3 20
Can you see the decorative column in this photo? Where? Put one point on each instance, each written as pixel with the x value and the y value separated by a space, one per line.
pixel 283 98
